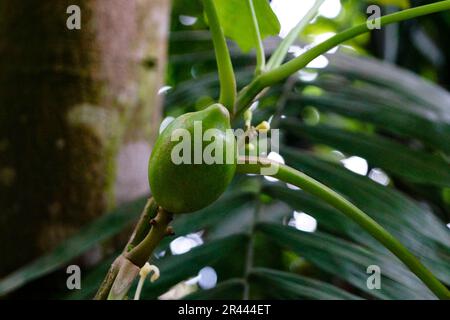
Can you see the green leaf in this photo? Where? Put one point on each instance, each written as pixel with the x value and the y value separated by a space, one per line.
pixel 236 20
pixel 332 221
pixel 349 262
pixel 92 280
pixel 395 100
pixel 415 226
pixel 328 218
pixel 227 207
pixel 107 226
pixel 426 99
pixel 395 158
pixel 177 268
pixel 284 285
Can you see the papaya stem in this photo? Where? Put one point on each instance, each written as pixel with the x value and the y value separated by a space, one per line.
pixel 131 261
pixel 223 59
pixel 140 254
pixel 140 231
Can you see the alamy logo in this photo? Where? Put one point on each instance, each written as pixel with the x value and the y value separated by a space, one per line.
pixel 374 280
pixel 74 279
pixel 373 22
pixel 74 20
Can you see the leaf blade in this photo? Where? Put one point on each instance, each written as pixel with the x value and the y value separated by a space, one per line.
pixel 236 21
pixel 286 285
pixel 415 166
pixel 104 227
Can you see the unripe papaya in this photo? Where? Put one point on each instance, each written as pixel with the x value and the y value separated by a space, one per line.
pixel 195 182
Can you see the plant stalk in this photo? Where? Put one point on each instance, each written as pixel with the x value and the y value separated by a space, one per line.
pixel 140 231
pixel 160 228
pixel 128 271
pixel 280 53
pixel 260 54
pixel 276 75
pixel 134 260
pixel 105 287
pixel 308 184
pixel 224 65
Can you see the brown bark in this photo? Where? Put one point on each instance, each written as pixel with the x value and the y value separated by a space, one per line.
pixel 69 105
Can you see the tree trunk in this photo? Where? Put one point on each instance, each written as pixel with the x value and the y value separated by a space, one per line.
pixel 78 108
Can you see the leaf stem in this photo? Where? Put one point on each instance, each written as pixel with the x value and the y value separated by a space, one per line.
pixel 143 226
pixel 140 231
pixel 128 271
pixel 105 287
pixel 132 261
pixel 269 78
pixel 260 55
pixel 224 65
pixel 142 252
pixel 308 184
pixel 280 53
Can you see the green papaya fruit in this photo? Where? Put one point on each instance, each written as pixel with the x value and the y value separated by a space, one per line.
pixel 195 182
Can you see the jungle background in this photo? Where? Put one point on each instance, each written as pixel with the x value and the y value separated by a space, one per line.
pixel 79 110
